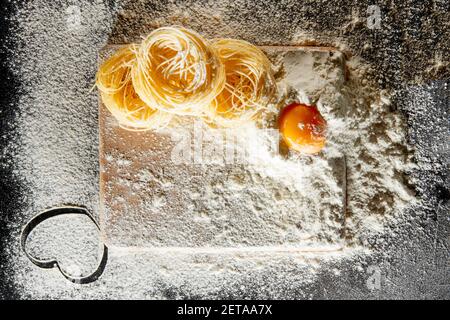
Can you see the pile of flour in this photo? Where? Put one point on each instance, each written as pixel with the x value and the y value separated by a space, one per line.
pixel 56 160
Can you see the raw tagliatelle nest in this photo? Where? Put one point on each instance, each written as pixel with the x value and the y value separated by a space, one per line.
pixel 174 71
pixel 177 71
pixel 119 96
pixel 249 85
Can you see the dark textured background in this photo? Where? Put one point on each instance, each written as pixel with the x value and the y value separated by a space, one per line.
pixel 9 205
pixel 402 52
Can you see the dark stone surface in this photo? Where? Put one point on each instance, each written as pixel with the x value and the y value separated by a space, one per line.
pixel 9 187
pixel 415 263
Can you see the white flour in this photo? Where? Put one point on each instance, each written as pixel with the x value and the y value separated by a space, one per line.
pixel 57 161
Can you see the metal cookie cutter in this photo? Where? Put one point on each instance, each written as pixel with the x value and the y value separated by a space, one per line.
pixel 52 263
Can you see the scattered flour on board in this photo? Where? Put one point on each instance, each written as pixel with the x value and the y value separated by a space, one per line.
pixel 57 160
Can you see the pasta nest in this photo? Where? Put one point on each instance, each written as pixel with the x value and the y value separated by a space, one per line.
pixel 178 72
pixel 119 96
pixel 249 84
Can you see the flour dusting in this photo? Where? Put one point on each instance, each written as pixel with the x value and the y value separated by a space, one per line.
pixel 56 153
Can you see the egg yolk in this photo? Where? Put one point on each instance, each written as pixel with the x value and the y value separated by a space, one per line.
pixel 303 128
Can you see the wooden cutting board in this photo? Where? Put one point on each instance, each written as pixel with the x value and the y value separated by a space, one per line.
pixel 148 201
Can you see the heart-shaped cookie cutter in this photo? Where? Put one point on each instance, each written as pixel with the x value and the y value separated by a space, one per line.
pixel 52 263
